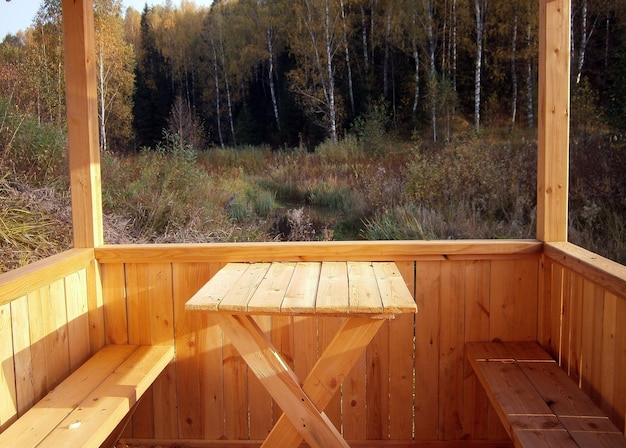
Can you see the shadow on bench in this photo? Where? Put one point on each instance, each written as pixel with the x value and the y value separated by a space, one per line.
pixel 538 404
pixel 88 405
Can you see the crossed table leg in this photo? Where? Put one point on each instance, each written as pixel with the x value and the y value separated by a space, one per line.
pixel 302 406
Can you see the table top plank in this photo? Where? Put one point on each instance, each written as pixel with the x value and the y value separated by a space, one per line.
pixel 372 289
pixel 237 298
pixel 211 293
pixel 364 292
pixel 332 291
pixel 392 288
pixel 270 294
pixel 301 293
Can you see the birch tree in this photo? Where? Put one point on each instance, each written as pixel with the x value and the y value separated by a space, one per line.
pixel 480 9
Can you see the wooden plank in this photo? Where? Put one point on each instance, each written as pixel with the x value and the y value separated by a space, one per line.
pixel 115 304
pixel 98 414
pixel 619 405
pixel 591 352
pixel 40 420
pixel 161 306
pixel 477 328
pixel 607 376
pixel 302 290
pixel 553 126
pixel 327 329
pixel 210 360
pixel 22 354
pixel 55 331
pixel 241 291
pixel 95 301
pixel 279 380
pixel 210 295
pixel 502 301
pixel 316 251
pixel 526 298
pixel 428 279
pixel 394 293
pixel 401 360
pixel 37 345
pixel 8 392
pixel 607 273
pixel 26 279
pixel 452 339
pixel 77 318
pixel 378 361
pixel 187 278
pixel 137 303
pixel 271 291
pixel 332 290
pixel 82 123
pixel 363 288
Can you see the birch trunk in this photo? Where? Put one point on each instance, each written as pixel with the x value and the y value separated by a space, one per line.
pixel 514 72
pixel 480 8
pixel 530 107
pixel 347 55
pixel 270 73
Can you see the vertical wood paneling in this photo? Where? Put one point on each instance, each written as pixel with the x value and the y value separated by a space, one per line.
pixel 607 378
pixel 327 328
pixel 115 304
pixel 210 360
pixel 379 360
pixel 401 352
pixel 37 347
pixel 77 318
pixel 161 306
pixel 8 393
pixel 22 353
pixel 189 277
pixel 428 277
pixel 477 328
pixel 619 403
pixel 451 361
pixel 591 344
pixel 55 330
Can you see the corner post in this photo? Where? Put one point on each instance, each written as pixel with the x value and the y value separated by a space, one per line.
pixel 554 111
pixel 82 123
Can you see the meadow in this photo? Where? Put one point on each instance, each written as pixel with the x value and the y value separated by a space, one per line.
pixel 369 186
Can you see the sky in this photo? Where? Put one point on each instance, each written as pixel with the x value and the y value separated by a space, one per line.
pixel 16 15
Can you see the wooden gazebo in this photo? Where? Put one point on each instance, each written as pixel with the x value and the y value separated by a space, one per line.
pixel 413 387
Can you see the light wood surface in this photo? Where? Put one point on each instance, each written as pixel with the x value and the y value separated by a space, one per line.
pixel 536 400
pixel 374 289
pixel 88 405
pixel 364 292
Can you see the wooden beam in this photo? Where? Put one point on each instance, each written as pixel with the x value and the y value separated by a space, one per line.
pixel 82 123
pixel 554 104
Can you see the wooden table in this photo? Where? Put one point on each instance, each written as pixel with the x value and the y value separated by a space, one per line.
pixel 365 293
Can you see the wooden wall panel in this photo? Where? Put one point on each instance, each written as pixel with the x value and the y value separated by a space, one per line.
pixel 586 296
pixel 412 384
pixel 44 329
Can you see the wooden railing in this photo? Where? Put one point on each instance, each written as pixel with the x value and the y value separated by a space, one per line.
pixel 414 382
pixel 44 328
pixel 465 291
pixel 583 322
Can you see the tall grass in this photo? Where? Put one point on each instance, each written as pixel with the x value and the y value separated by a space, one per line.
pixel 364 187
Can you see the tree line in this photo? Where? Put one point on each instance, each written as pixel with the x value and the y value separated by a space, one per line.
pixel 297 72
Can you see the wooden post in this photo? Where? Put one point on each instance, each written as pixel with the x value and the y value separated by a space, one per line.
pixel 82 122
pixel 554 103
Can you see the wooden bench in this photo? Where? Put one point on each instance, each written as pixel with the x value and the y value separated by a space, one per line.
pixel 538 404
pixel 88 405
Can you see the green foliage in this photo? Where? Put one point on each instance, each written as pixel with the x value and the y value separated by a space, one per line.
pixel 372 128
pixel 31 150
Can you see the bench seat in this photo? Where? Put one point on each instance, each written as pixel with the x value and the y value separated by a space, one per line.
pixel 88 405
pixel 538 404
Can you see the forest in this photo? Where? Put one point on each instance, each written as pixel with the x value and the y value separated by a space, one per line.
pixel 375 115
pixel 296 73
